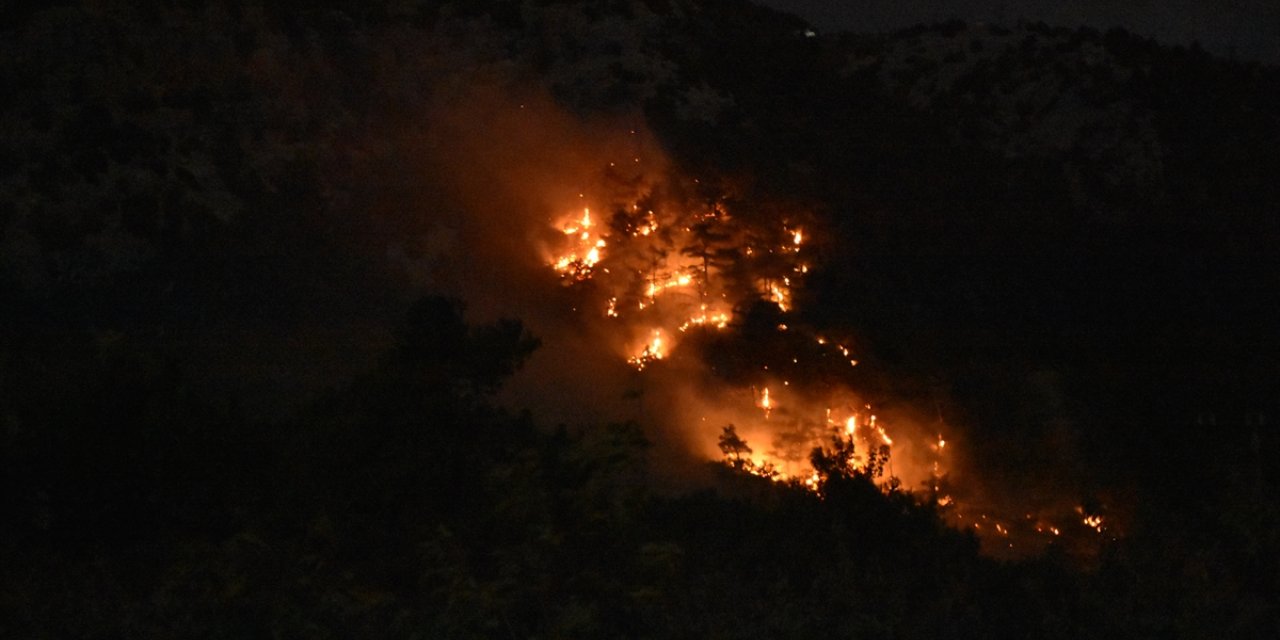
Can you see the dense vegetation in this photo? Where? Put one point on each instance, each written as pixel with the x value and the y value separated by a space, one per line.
pixel 228 410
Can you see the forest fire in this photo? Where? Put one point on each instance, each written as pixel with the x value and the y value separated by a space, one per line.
pixel 705 318
pixel 586 251
pixel 670 272
pixel 652 351
pixel 412 317
pixel 765 402
pixel 678 270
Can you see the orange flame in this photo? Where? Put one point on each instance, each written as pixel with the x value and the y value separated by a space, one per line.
pixel 652 351
pixel 670 269
pixel 765 402
pixel 585 251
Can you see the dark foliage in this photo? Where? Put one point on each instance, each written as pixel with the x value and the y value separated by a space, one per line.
pixel 224 414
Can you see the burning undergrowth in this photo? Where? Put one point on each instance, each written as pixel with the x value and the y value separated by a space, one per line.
pixel 670 300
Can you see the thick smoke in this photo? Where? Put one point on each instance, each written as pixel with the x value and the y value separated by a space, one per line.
pixel 521 181
pixel 667 302
pixel 511 163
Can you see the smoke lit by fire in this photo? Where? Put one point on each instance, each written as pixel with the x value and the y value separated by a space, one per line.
pixel 664 271
pixel 676 303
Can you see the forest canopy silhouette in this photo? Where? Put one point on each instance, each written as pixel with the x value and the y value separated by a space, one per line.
pixel 255 378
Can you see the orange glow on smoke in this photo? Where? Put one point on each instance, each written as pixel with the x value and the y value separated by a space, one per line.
pixel 652 351
pixel 585 251
pixel 765 402
pixel 716 320
pixel 666 272
pixel 674 268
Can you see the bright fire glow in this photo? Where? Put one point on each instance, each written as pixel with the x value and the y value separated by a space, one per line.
pixel 653 350
pixel 585 251
pixel 1094 522
pixel 778 293
pixel 765 402
pixel 717 320
pixel 668 271
pixel 673 269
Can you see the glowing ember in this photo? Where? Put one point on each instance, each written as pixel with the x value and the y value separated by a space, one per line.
pixel 765 402
pixel 1094 522
pixel 705 319
pixel 778 294
pixel 678 270
pixel 585 248
pixel 652 351
pixel 680 280
pixel 879 430
pixel 676 266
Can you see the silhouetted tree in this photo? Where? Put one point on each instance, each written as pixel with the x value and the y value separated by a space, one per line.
pixel 733 447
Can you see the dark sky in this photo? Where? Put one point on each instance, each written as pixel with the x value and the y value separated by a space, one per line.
pixel 1250 27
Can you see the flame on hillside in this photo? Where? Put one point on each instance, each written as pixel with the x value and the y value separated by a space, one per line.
pixel 675 303
pixel 665 272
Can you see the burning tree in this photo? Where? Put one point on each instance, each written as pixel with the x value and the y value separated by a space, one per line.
pixel 842 459
pixel 671 264
pixel 737 455
pixel 665 263
pixel 735 449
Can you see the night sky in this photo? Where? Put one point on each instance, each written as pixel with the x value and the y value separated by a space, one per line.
pixel 1250 28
